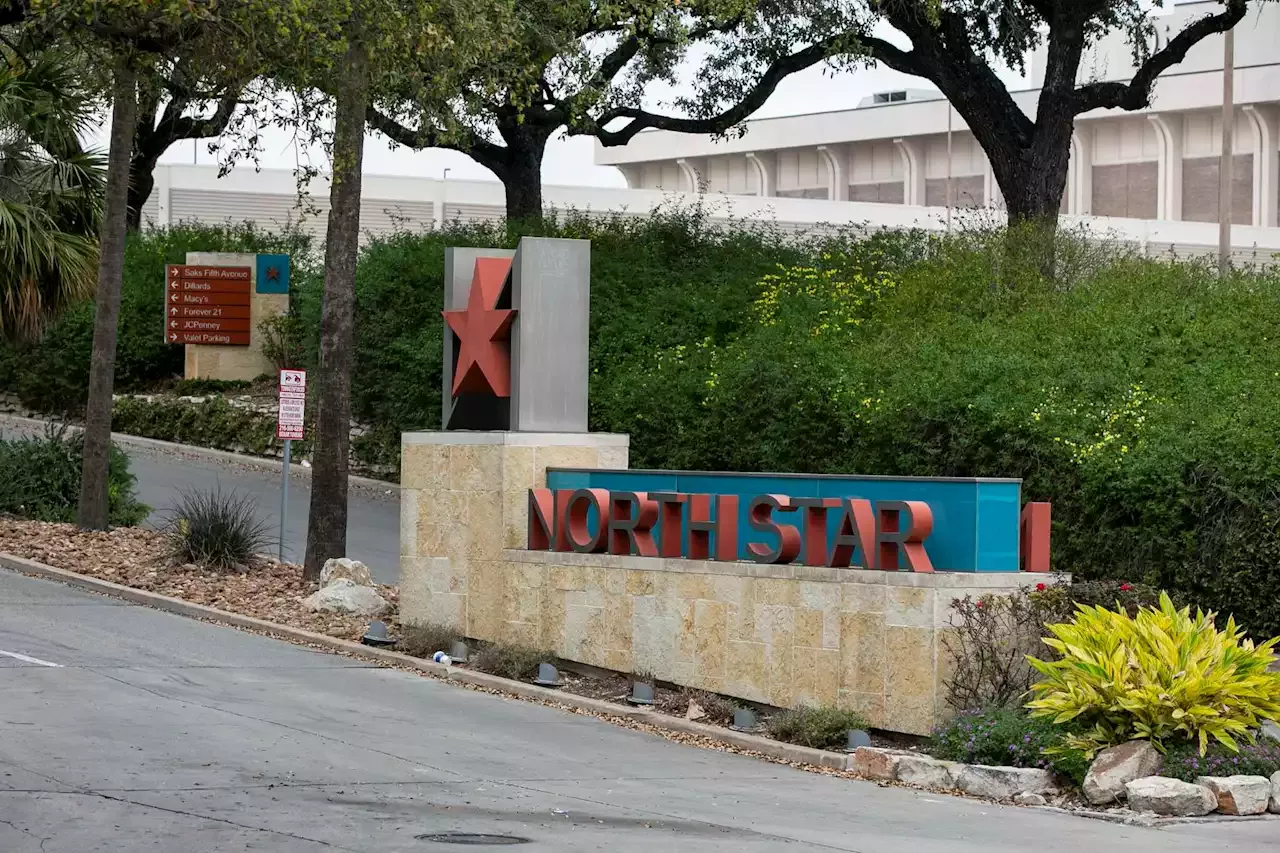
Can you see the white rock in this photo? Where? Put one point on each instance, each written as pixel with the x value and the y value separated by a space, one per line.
pixel 928 772
pixel 1003 783
pixel 1239 795
pixel 1026 799
pixel 353 570
pixel 1117 766
pixel 1271 731
pixel 875 763
pixel 345 596
pixel 1169 797
pixel 1274 808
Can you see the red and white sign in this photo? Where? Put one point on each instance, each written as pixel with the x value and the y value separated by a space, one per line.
pixel 293 403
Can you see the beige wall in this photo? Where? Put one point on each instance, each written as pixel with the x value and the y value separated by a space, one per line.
pixel 782 635
pixel 232 363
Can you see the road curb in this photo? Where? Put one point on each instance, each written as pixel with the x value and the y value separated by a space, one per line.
pixel 261 462
pixel 764 746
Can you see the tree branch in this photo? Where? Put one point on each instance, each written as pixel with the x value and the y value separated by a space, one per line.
pixel 748 104
pixel 1136 94
pixel 482 151
pixel 174 126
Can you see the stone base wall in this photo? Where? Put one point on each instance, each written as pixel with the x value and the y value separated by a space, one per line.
pixel 783 635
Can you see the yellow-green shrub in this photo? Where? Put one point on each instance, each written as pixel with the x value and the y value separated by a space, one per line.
pixel 1160 675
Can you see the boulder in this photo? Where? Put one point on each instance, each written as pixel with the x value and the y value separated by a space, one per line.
pixel 1116 767
pixel 1003 783
pixel 353 570
pixel 1025 799
pixel 875 763
pixel 1271 731
pixel 1239 795
pixel 345 596
pixel 1169 797
pixel 928 772
pixel 1274 808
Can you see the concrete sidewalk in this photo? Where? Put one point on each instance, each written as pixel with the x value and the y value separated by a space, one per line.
pixel 130 729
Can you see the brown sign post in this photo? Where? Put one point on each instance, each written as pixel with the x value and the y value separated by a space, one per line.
pixel 207 305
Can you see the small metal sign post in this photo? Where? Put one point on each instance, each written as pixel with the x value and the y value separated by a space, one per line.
pixel 293 402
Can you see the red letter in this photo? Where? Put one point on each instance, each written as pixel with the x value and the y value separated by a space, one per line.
pixel 760 517
pixel 814 513
pixel 895 536
pixel 857 530
pixel 574 522
pixel 632 532
pixel 1035 527
pixel 542 519
pixel 724 526
pixel 670 522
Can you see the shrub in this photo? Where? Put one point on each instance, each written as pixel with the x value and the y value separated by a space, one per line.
pixel 424 639
pixel 1162 675
pixel 1184 761
pixel 283 341
pixel 1006 737
pixel 817 728
pixel 216 530
pixel 41 479
pixel 519 663
pixel 718 709
pixel 213 423
pixel 992 637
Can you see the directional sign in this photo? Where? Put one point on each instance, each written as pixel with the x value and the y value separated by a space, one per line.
pixel 293 403
pixel 208 305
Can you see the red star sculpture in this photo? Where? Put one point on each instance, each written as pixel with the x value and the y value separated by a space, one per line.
pixel 484 332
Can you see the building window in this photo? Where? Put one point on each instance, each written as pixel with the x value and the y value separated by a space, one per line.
pixel 808 193
pixel 889 97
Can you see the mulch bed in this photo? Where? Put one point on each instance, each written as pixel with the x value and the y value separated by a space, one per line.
pixel 136 557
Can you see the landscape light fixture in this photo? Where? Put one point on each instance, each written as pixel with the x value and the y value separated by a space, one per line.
pixel 858 738
pixel 641 693
pixel 548 676
pixel 377 635
pixel 744 719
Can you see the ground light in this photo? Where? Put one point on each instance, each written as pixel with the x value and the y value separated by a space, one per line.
pixel 459 651
pixel 641 693
pixel 857 738
pixel 377 635
pixel 548 676
pixel 744 719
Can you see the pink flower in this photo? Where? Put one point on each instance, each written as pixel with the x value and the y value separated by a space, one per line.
pixel 980 603
pixel 1126 587
pixel 1041 587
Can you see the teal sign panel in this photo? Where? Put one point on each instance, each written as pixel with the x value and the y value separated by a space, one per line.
pixel 273 273
pixel 975 520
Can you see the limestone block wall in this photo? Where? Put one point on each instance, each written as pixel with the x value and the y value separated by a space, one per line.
pixel 784 635
pixel 233 363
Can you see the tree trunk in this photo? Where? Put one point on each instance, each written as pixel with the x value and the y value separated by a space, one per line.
pixel 142 181
pixel 520 169
pixel 94 506
pixel 327 521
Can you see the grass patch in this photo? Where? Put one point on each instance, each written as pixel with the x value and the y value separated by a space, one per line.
pixel 216 530
pixel 425 639
pixel 818 728
pixel 519 663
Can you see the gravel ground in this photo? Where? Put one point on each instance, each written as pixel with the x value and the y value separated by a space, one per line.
pixel 136 557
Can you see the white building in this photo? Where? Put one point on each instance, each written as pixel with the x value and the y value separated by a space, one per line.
pixel 1157 164
pixel 1149 178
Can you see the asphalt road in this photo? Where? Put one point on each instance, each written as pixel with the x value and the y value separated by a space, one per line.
pixel 154 732
pixel 373 529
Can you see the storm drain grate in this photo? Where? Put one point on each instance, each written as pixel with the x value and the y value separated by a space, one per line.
pixel 471 838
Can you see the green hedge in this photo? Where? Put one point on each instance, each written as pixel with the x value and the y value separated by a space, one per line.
pixel 42 480
pixel 1138 396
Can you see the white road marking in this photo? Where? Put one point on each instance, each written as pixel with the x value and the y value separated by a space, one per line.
pixel 29 659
